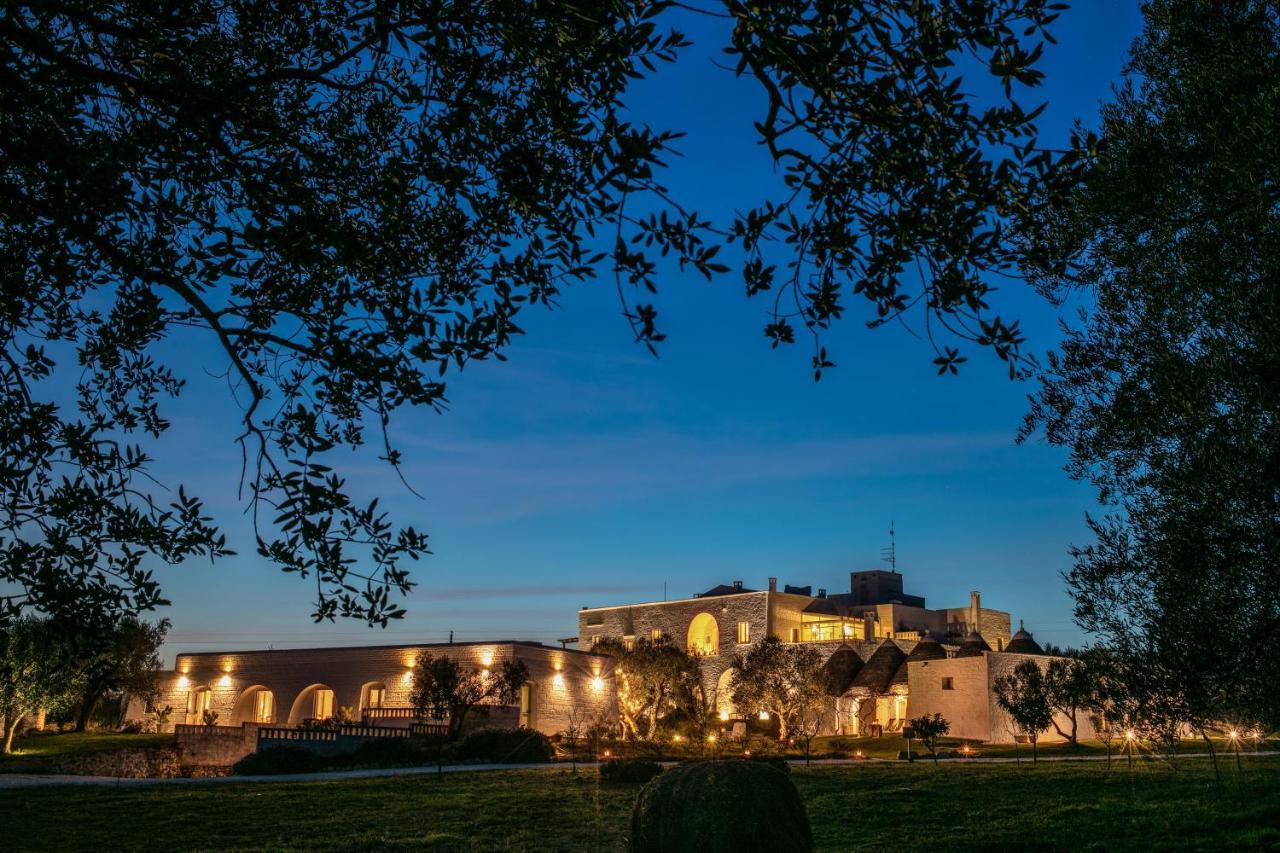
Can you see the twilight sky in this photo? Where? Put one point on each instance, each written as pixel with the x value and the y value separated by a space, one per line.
pixel 585 472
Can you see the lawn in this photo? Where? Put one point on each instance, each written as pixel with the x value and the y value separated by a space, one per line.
pixel 33 749
pixel 865 806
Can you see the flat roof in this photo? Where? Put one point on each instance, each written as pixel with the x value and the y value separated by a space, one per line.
pixel 527 643
pixel 680 600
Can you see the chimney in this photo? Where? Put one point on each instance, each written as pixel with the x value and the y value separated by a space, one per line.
pixel 737 584
pixel 822 593
pixel 773 584
pixel 975 611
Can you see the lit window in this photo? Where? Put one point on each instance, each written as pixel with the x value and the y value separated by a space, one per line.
pixel 377 695
pixel 629 642
pixel 322 709
pixel 264 706
pixel 744 632
pixel 655 634
pixel 948 683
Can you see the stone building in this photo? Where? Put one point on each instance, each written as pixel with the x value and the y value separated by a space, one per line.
pixel 897 657
pixel 287 686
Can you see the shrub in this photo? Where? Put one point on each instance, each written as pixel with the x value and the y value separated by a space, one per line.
pixel 507 746
pixel 388 752
pixel 720 807
pixel 278 760
pixel 629 770
pixel 778 762
pixel 132 727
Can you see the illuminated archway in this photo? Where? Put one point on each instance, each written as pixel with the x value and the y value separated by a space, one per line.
pixel 257 704
pixel 704 635
pixel 314 703
pixel 373 694
pixel 199 700
pixel 724 695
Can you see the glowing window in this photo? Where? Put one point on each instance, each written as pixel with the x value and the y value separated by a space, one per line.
pixel 264 706
pixel 322 708
pixel 629 642
pixel 744 632
pixel 377 695
pixel 655 634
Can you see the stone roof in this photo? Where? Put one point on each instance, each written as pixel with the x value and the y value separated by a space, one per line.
pixel 1022 643
pixel 877 673
pixel 927 649
pixel 973 646
pixel 841 669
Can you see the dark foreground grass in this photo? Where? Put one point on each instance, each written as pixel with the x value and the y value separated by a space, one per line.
pixel 860 807
pixel 39 747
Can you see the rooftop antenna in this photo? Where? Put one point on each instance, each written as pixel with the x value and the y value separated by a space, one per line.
pixel 890 554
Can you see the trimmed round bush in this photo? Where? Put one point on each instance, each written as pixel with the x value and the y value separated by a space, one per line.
pixel 278 760
pixel 629 770
pixel 720 807
pixel 507 746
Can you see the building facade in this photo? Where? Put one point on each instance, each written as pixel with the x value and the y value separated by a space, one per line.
pixel 286 687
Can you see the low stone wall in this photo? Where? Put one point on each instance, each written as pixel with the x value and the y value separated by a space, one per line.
pixel 215 746
pixel 144 763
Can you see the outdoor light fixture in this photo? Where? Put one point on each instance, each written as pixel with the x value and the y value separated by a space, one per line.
pixel 607 753
pixel 183 681
pixel 484 673
pixel 597 683
pixel 408 676
pixel 1128 734
pixel 711 738
pixel 677 738
pixel 558 680
pixel 764 715
pixel 225 681
pixel 1233 734
pixel 486 658
pixel 724 716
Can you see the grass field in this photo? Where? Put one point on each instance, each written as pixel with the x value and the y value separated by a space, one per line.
pixel 40 747
pixel 851 807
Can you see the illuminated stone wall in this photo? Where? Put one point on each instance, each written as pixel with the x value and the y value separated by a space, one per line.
pixel 564 684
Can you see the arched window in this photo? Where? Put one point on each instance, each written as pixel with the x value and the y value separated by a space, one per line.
pixel 704 635
pixel 373 695
pixel 314 703
pixel 724 695
pixel 257 704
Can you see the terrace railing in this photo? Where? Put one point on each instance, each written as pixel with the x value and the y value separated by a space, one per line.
pixel 390 714
pixel 208 731
pixel 273 733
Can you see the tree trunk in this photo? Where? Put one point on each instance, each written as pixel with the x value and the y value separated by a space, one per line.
pixel 1213 755
pixel 10 729
pixel 782 728
pixel 1033 748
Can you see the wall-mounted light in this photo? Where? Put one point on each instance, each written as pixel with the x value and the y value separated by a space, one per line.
pixel 724 716
pixel 764 715
pixel 484 674
pixel 225 681
pixel 183 681
pixel 558 680
pixel 408 676
pixel 486 658
pixel 597 684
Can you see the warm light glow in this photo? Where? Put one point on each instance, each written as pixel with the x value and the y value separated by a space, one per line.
pixel 711 738
pixel 1128 734
pixel 764 715
pixel 677 738
pixel 747 753
pixel 607 753
pixel 183 681
pixel 724 715
pixel 484 674
pixel 225 681
pixel 858 753
pixel 486 658
pixel 408 676
pixel 1233 734
pixel 597 683
pixel 558 680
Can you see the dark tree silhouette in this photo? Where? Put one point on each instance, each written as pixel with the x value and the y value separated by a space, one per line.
pixel 352 199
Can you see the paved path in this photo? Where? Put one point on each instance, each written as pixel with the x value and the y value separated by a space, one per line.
pixel 34 780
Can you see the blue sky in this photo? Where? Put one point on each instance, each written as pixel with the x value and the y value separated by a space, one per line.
pixel 585 472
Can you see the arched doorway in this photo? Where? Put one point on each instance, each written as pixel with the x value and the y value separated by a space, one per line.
pixel 199 700
pixel 724 695
pixel 314 703
pixel 373 695
pixel 255 705
pixel 704 636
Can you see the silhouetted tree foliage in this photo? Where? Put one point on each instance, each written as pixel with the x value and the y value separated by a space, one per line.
pixel 928 728
pixel 448 690
pixel 120 660
pixel 1166 392
pixel 351 199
